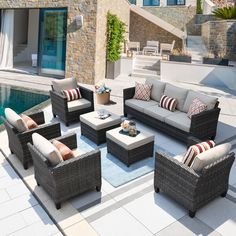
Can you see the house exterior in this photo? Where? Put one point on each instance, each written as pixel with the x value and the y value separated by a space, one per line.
pixel 163 3
pixel 69 37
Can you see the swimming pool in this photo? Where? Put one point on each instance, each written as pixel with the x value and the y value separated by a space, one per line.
pixel 19 100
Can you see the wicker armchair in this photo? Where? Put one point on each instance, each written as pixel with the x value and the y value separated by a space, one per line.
pixel 192 189
pixel 61 109
pixel 69 178
pixel 18 140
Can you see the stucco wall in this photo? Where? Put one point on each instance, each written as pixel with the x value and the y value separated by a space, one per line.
pixel 121 9
pixel 220 37
pixel 141 30
pixel 81 43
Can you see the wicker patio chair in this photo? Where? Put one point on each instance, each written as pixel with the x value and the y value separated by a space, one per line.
pixel 62 108
pixel 18 140
pixel 71 177
pixel 190 188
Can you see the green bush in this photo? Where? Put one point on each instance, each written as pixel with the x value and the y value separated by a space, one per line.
pixel 225 12
pixel 115 37
pixel 199 7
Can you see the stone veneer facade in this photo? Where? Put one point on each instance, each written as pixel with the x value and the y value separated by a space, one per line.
pixel 85 57
pixel 141 30
pixel 220 37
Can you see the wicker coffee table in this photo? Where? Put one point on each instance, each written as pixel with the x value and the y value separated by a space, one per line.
pixel 95 128
pixel 129 149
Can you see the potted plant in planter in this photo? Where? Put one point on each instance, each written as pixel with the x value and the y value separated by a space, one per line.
pixel 215 59
pixel 103 93
pixel 180 56
pixel 115 39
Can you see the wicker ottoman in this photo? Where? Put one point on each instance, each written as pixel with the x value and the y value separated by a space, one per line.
pixel 129 149
pixel 95 128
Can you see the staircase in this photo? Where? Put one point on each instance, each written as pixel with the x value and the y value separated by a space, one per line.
pixel 20 53
pixel 197 48
pixel 146 67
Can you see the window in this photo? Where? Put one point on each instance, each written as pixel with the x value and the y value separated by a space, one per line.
pixel 151 2
pixel 175 2
pixel 132 2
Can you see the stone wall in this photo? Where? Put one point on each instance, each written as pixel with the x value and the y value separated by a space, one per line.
pixel 122 9
pixel 81 43
pixel 220 37
pixel 177 16
pixel 141 30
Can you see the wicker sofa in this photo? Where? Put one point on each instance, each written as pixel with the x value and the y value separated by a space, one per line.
pixel 176 124
pixel 193 189
pixel 70 111
pixel 69 178
pixel 18 140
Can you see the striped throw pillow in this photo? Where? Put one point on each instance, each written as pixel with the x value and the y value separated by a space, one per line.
pixel 168 103
pixel 29 122
pixel 142 91
pixel 65 152
pixel 72 94
pixel 196 149
pixel 196 107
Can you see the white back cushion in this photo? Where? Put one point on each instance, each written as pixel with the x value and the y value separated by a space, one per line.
pixel 47 149
pixel 15 120
pixel 206 158
pixel 64 84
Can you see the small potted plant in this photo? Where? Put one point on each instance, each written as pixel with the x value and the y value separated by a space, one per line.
pixel 215 59
pixel 102 93
pixel 180 56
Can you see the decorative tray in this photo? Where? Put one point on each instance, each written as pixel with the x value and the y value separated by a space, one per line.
pixel 127 133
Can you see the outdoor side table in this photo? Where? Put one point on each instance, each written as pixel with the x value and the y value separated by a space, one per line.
pixel 95 128
pixel 129 149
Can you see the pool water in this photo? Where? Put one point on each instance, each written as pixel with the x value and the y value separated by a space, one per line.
pixel 19 100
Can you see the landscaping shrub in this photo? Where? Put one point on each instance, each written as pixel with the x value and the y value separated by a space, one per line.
pixel 115 37
pixel 199 7
pixel 226 12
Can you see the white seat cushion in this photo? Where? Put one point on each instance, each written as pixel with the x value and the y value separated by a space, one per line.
pixel 64 84
pixel 210 156
pixel 15 120
pixel 128 142
pixel 180 121
pixel 78 104
pixel 157 89
pixel 47 149
pixel 209 101
pixel 139 105
pixel 179 94
pixel 91 119
pixel 158 112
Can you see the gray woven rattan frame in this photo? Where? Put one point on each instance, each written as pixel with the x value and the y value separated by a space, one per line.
pixel 189 188
pixel 203 125
pixel 130 156
pixel 18 141
pixel 97 136
pixel 71 177
pixel 60 107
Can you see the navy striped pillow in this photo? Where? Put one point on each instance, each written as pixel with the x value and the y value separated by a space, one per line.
pixel 168 103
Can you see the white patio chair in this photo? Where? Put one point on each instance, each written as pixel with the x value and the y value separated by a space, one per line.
pixel 152 47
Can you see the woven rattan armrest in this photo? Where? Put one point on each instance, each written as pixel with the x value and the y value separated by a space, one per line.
pixel 86 93
pixel 55 96
pixel 69 140
pixel 180 170
pixel 38 117
pixel 128 93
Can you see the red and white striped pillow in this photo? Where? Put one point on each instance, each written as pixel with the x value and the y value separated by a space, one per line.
pixel 196 107
pixel 142 91
pixel 196 149
pixel 168 103
pixel 72 94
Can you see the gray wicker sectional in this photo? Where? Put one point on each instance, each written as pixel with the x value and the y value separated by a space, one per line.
pixel 177 124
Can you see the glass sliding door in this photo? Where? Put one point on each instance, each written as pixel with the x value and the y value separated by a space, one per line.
pixel 52 42
pixel 151 2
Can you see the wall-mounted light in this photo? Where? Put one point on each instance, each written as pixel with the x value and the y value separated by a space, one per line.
pixel 79 20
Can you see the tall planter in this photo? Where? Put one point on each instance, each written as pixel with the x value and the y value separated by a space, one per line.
pixel 112 69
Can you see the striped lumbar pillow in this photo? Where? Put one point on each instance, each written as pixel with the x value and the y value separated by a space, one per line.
pixel 168 103
pixel 72 94
pixel 196 149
